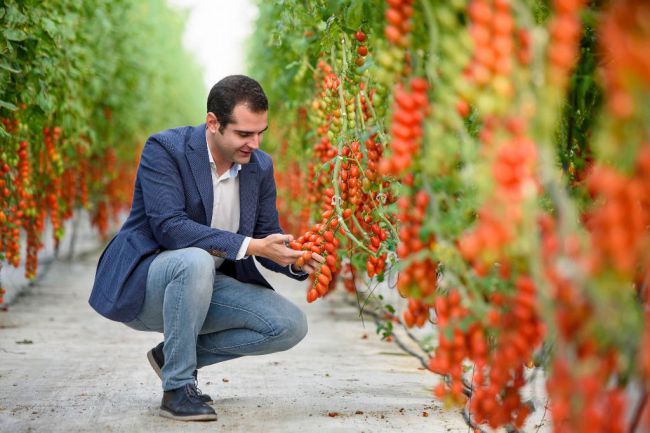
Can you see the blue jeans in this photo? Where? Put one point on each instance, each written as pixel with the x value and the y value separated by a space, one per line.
pixel 208 317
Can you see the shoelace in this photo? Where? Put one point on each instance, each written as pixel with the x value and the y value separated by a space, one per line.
pixel 196 386
pixel 193 392
pixel 196 382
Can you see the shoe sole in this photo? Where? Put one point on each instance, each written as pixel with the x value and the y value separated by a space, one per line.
pixel 155 367
pixel 154 364
pixel 202 417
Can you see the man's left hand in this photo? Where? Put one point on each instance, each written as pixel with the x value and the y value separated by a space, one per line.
pixel 310 265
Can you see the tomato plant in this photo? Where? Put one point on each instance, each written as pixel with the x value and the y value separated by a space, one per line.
pixel 494 153
pixel 81 87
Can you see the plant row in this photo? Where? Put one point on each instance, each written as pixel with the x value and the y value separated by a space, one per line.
pixel 490 161
pixel 82 84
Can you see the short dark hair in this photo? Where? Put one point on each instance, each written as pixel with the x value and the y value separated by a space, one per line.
pixel 233 90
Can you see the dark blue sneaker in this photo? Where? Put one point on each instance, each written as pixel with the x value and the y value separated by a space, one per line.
pixel 156 358
pixel 184 404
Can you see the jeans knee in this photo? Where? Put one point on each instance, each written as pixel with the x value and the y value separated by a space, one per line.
pixel 293 329
pixel 196 267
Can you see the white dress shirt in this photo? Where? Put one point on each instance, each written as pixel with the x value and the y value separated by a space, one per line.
pixel 225 206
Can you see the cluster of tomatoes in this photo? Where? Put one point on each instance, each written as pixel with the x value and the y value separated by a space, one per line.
pixel 499 367
pixel 583 400
pixel 514 158
pixel 41 179
pixel 492 29
pixel 625 39
pixel 618 226
pixel 362 198
pixel 565 32
pixel 497 383
pixel 454 345
pixel 399 23
pixel 362 48
pixel 418 279
pixel 114 180
pixel 581 388
pixel 322 240
pixel 499 45
pixel 410 108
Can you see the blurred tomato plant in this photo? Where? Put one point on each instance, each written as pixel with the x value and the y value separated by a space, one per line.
pixel 82 84
pixel 495 154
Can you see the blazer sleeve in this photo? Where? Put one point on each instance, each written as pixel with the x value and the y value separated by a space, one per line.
pixel 164 202
pixel 268 222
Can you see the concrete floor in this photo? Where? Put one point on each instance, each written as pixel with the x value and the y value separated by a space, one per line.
pixel 64 368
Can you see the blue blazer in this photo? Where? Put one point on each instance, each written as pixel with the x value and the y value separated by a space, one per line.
pixel 172 209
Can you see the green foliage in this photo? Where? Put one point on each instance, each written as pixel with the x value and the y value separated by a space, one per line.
pixel 113 71
pixel 82 84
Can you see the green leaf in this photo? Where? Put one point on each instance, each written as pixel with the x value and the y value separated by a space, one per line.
pixel 15 35
pixel 4 65
pixel 44 101
pixel 354 15
pixel 49 27
pixel 8 105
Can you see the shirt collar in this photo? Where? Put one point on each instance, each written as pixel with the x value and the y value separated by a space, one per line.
pixel 234 169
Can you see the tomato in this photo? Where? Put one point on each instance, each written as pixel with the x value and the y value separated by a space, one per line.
pixel 312 295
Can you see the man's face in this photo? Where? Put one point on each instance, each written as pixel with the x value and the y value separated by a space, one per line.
pixel 238 139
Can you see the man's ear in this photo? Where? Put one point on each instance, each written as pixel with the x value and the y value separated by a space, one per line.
pixel 212 122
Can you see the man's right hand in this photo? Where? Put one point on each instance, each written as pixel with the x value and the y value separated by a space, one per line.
pixel 274 247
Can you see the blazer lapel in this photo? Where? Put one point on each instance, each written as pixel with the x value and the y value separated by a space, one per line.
pixel 249 189
pixel 197 157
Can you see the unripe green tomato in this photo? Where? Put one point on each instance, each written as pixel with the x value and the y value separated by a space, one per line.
pixel 384 77
pixel 447 18
pixel 464 88
pixel 465 42
pixel 352 124
pixel 448 118
pixel 455 51
pixel 365 185
pixel 433 130
pixel 447 68
pixel 486 103
pixel 446 97
pixel 458 5
pixel 384 59
pixel 432 158
pixel 396 52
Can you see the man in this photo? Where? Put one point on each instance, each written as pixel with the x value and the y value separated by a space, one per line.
pixel 204 204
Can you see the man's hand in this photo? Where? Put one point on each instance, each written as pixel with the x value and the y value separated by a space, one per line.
pixel 274 247
pixel 310 265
